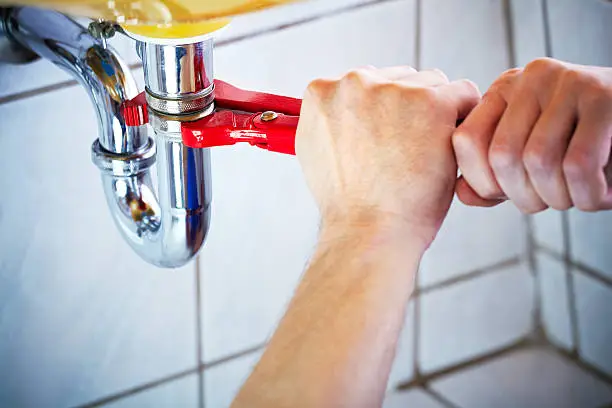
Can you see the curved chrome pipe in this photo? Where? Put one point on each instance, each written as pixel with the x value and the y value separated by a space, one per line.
pixel 166 230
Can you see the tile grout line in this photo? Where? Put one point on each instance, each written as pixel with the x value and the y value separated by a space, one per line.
pixel 547 32
pixel 571 290
pixel 578 267
pixel 567 249
pixel 583 365
pixel 470 275
pixel 199 338
pixel 521 343
pixel 316 17
pixel 509 28
pixel 139 389
pixel 234 356
pixel 537 317
pixel 171 378
pixel 269 30
pixel 416 329
pixel 441 399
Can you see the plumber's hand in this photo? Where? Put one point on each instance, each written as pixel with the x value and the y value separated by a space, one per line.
pixel 375 147
pixel 540 137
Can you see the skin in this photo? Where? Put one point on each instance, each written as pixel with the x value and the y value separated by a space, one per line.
pixel 384 180
pixel 380 153
pixel 541 137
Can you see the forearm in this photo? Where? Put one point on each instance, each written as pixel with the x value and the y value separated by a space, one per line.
pixel 336 343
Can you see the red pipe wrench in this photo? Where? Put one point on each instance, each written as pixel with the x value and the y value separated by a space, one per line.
pixel 263 120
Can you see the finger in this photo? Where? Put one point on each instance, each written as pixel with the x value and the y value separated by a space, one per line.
pixel 433 77
pixel 471 144
pixel 396 73
pixel 507 147
pixel 469 197
pixel 464 96
pixel 587 157
pixel 544 152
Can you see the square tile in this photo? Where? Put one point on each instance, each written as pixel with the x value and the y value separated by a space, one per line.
pixel 402 370
pixel 222 382
pixel 249 24
pixel 465 39
pixel 534 378
pixel 15 79
pixel 182 393
pixel 472 318
pixel 548 230
pixel 81 316
pixel 471 239
pixel 555 300
pixel 416 397
pixel 594 305
pixel 528 30
pixel 590 235
pixel 263 212
pixel 592 19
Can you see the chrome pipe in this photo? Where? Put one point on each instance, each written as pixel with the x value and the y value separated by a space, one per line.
pixel 179 78
pixel 166 228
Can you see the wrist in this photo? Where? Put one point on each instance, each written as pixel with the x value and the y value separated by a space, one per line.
pixel 377 228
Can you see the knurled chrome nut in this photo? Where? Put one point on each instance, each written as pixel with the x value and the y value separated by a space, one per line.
pixel 123 165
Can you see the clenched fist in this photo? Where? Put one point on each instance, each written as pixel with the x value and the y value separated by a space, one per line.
pixel 541 137
pixel 375 147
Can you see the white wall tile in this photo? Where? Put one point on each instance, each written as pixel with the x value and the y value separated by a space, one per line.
pixel 555 300
pixel 472 318
pixel 526 379
pixel 528 30
pixel 580 30
pixel 471 239
pixel 590 235
pixel 412 398
pixel 245 25
pixel 465 40
pixel 594 305
pixel 182 393
pixel 402 370
pixel 548 230
pixel 222 383
pixel 20 78
pixel 81 316
pixel 264 219
pixel 16 79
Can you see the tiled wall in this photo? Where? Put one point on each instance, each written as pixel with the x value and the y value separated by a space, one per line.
pixel 83 320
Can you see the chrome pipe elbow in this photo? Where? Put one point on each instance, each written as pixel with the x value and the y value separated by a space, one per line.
pixel 166 227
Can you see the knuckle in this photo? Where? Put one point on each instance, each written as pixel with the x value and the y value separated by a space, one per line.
pixel 560 206
pixel 488 191
pixel 320 87
pixel 576 165
pixel 464 142
pixel 587 206
pixel 534 208
pixel 424 95
pixel 505 81
pixel 538 161
pixel 596 94
pixel 571 78
pixel 543 66
pixel 441 74
pixel 355 76
pixel 511 73
pixel 502 158
pixel 471 85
